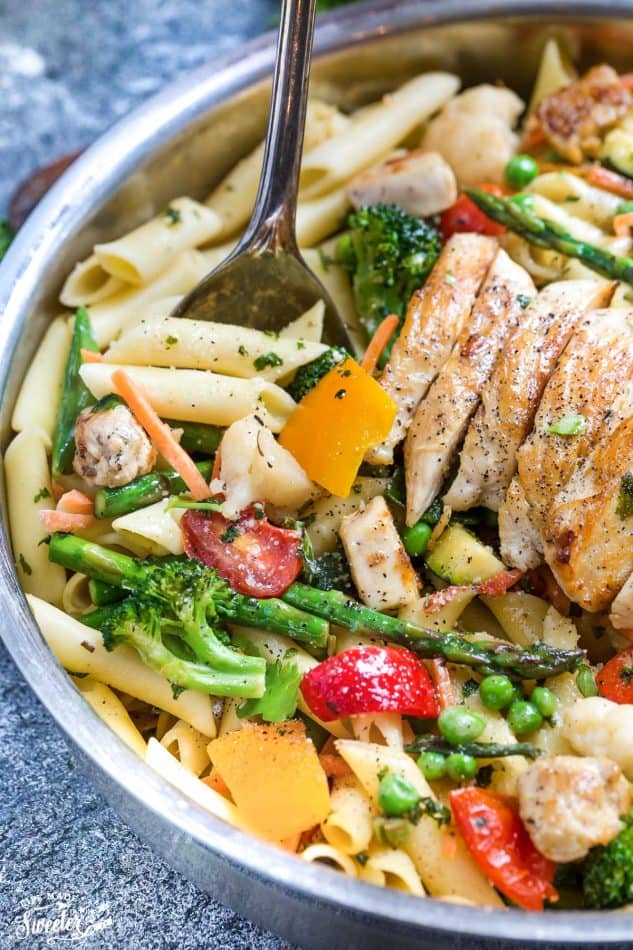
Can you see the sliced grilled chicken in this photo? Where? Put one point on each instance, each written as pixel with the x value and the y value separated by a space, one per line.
pixel 509 402
pixel 421 183
pixel 441 419
pixel 436 315
pixel 520 541
pixel 380 566
pixel 588 534
pixel 621 615
pixel 588 381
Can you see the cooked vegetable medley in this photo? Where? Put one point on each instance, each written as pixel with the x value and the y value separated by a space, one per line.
pixel 373 607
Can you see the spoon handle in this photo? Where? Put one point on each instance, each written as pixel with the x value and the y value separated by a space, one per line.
pixel 272 223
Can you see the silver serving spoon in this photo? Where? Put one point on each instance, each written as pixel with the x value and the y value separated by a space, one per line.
pixel 264 282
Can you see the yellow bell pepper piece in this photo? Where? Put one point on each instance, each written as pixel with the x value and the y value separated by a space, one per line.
pixel 329 432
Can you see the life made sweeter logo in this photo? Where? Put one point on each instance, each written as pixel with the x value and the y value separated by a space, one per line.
pixel 59 916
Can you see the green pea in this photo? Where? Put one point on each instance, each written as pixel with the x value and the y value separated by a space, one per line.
pixel 458 724
pixel 396 796
pixel 585 682
pixel 523 200
pixel 416 538
pixel 544 700
pixel 624 208
pixel 391 831
pixel 460 767
pixel 521 170
pixel 497 692
pixel 523 716
pixel 432 765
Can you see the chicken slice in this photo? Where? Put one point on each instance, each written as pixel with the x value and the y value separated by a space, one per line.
pixel 574 118
pixel 520 541
pixel 589 379
pixel 509 401
pixel 435 317
pixel 421 183
pixel 621 615
pixel 571 804
pixel 442 417
pixel 380 566
pixel 588 535
pixel 111 448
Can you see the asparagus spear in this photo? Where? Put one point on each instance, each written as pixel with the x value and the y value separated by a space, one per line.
pixel 198 437
pixel 551 235
pixel 478 750
pixel 537 662
pixel 152 578
pixel 102 594
pixel 143 491
pixel 75 396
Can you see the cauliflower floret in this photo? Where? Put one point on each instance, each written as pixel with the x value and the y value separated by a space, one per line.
pixel 596 726
pixel 111 447
pixel 474 133
pixel 571 804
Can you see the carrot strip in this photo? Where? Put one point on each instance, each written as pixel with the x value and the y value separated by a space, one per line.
pixel 75 503
pixel 623 224
pixel 449 847
pixel 64 521
pixel 290 844
pixel 442 682
pixel 57 489
pixel 334 766
pixel 611 181
pixel 215 781
pixel 378 342
pixel 88 356
pixel 160 434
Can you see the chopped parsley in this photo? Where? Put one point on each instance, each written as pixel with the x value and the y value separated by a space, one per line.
pixel 267 359
pixel 231 533
pixel 440 814
pixel 173 216
pixel 24 564
pixel 42 493
pixel 450 279
pixel 242 350
pixel 571 424
pixel 523 301
pixel 171 340
pixel 281 693
pixel 340 394
pixel 273 333
pixel 625 498
pixel 301 345
pixel 469 688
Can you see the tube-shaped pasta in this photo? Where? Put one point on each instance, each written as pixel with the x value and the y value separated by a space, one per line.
pixel 505 771
pixel 318 218
pixel 384 726
pixel 579 228
pixel 397 870
pixel 29 491
pixel 428 844
pixel 111 315
pixel 88 283
pixel 141 255
pixel 193 395
pixel 592 204
pixel 327 513
pixel 38 399
pixel 554 72
pixel 76 597
pixel 152 530
pixel 191 746
pixel 337 283
pixel 177 775
pixel 80 649
pixel 230 721
pixel 109 707
pixel 372 134
pixel 221 347
pixel 309 326
pixel 327 854
pixel 348 827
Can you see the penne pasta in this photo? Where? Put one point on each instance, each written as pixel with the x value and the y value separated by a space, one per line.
pixel 76 597
pixel 191 395
pixel 152 530
pixel 379 727
pixel 88 283
pixel 191 746
pixel 396 870
pixel 309 326
pixel 348 827
pixel 327 854
pixel 320 217
pixel 337 283
pixel 38 400
pixel 109 707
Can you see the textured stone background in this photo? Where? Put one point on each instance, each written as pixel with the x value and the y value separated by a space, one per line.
pixel 68 69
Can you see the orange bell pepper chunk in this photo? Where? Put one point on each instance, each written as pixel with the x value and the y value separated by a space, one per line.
pixel 329 432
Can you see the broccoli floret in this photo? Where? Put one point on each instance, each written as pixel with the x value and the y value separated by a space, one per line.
pixel 6 236
pixel 389 254
pixel 309 375
pixel 608 871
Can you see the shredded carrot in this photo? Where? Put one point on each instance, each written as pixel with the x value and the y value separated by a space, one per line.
pixel 622 224
pixel 64 521
pixel 611 181
pixel 378 342
pixel 215 781
pixel 442 682
pixel 449 848
pixel 217 463
pixel 75 503
pixel 89 356
pixel 291 843
pixel 160 434
pixel 334 766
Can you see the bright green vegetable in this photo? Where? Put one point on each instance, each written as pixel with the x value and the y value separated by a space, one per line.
pixel 553 236
pixel 393 832
pixel 308 376
pixel 478 750
pixel 521 170
pixel 626 207
pixel 389 255
pixel 279 701
pixel 625 496
pixel 523 200
pixel 143 491
pixel 416 538
pixel 102 594
pixel 75 395
pixel 458 724
pixel 574 423
pixel 608 872
pixel 460 767
pixel 329 571
pixel 523 717
pixel 544 700
pixel 396 796
pixel 585 681
pixel 432 765
pixel 198 438
pixel 461 558
pixel 497 692
pixel 6 236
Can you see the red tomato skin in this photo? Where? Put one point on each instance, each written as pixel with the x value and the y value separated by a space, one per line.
pixel 370 679
pixel 262 560
pixel 465 216
pixel 500 583
pixel 497 839
pixel 615 679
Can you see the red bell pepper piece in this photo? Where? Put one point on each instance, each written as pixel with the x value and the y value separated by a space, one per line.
pixel 464 215
pixel 367 680
pixel 497 839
